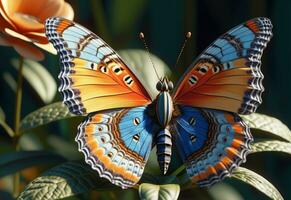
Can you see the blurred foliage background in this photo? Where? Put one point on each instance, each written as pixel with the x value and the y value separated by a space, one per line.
pixel 165 24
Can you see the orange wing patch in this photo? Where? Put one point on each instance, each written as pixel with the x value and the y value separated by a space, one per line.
pixel 63 25
pixel 253 26
pixel 106 86
pixel 100 154
pixel 208 86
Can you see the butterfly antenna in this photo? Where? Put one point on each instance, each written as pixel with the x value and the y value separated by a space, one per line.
pixel 142 37
pixel 188 35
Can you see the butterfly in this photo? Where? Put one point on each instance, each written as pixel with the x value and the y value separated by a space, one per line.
pixel 199 115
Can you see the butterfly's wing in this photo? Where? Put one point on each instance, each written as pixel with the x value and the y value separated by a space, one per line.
pixel 93 77
pixel 117 143
pixel 227 75
pixel 210 142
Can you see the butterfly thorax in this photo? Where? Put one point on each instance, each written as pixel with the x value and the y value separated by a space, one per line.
pixel 164 102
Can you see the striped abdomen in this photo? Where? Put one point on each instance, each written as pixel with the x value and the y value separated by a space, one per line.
pixel 164 149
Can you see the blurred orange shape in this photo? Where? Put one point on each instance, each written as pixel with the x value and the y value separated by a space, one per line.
pixel 22 24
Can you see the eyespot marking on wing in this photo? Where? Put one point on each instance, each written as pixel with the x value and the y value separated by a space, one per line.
pixel 103 69
pixel 136 121
pixel 203 69
pixel 117 69
pixel 192 121
pixel 216 69
pixel 92 66
pixel 193 80
pixel 193 138
pixel 128 80
pixel 136 137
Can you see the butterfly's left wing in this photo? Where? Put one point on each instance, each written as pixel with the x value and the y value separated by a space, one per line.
pixel 93 76
pixel 117 143
pixel 211 143
pixel 227 75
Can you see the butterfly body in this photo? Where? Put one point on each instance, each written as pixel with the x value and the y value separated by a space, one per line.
pixel 199 116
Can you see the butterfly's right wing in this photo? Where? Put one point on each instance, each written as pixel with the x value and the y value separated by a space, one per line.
pixel 227 75
pixel 117 143
pixel 210 142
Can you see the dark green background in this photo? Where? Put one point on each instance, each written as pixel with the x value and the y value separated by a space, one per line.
pixel 165 24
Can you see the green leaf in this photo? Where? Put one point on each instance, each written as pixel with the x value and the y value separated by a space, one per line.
pixel 272 145
pixel 39 78
pixel 6 128
pixel 268 124
pixel 257 181
pixel 68 179
pixel 130 13
pixel 69 149
pixel 10 81
pixel 4 125
pixel 157 179
pixel 159 192
pixel 45 115
pixel 2 114
pixel 143 68
pixel 34 142
pixel 224 191
pixel 15 161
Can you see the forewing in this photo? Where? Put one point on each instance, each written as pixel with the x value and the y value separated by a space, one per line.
pixel 227 75
pixel 117 143
pixel 211 143
pixel 93 77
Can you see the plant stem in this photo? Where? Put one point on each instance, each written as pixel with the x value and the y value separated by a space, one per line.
pixel 16 177
pixel 178 171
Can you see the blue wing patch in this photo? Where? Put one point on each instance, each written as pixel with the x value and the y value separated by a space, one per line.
pixel 211 143
pixel 195 126
pixel 117 143
pixel 137 130
pixel 232 45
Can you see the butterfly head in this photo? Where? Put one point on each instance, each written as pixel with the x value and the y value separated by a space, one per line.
pixel 164 85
